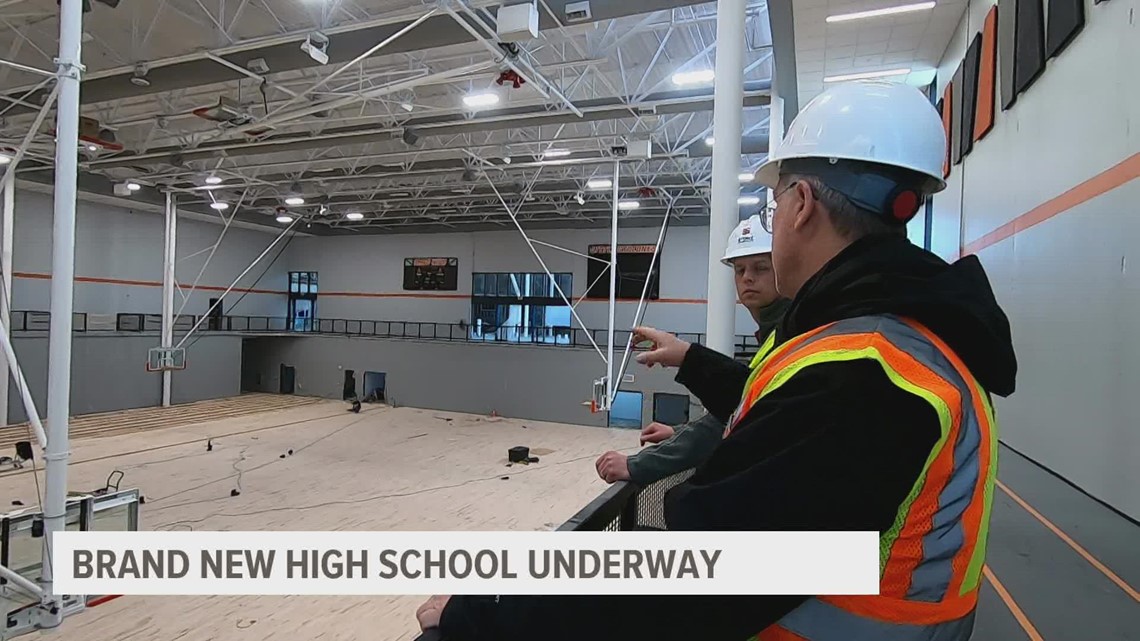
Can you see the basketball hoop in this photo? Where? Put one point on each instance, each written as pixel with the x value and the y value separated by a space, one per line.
pixel 599 402
pixel 162 359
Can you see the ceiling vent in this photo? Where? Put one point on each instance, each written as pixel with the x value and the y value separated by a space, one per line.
pixel 578 12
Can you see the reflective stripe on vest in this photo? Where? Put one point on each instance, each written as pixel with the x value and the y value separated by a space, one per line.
pixel 931 558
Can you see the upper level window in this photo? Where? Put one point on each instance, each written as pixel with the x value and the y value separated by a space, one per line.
pixel 302 282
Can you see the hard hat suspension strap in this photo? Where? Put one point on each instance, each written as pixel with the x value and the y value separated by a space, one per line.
pixel 891 193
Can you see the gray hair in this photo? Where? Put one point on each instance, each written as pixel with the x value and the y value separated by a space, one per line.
pixel 851 222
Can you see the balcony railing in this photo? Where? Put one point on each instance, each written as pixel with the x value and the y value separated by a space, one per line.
pixel 83 323
pixel 621 507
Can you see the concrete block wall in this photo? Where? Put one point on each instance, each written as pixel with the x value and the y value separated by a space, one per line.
pixel 1048 200
pixel 118 261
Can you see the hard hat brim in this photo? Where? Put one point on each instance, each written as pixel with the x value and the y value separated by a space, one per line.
pixel 769 173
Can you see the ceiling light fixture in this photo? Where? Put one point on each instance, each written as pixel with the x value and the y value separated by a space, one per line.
pixel 581 199
pixel 284 219
pixel 5 159
pixel 748 200
pixel 213 180
pixel 506 160
pixel 867 74
pixel 875 13
pixel 133 186
pixel 698 77
pixel 354 215
pixel 219 206
pixel 556 153
pixel 628 204
pixel 92 148
pixel 709 141
pixel 485 99
pixel 293 201
pixel 745 177
pixel 599 183
pixel 406 106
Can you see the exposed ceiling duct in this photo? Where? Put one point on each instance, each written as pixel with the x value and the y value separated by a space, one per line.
pixel 282 53
pixel 593 111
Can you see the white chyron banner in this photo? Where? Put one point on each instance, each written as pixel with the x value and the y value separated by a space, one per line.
pixel 394 563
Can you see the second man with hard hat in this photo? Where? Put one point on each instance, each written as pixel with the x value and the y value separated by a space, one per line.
pixel 749 254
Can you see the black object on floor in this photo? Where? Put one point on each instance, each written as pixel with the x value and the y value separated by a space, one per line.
pixel 24 450
pixel 209 445
pixel 234 493
pixel 532 459
pixel 518 454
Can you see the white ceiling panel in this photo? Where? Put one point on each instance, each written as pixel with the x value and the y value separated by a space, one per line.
pixel 913 40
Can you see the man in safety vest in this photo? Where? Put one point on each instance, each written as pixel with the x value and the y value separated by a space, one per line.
pixel 873 411
pixel 749 254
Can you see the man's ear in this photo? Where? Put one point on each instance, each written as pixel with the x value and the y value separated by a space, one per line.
pixel 805 205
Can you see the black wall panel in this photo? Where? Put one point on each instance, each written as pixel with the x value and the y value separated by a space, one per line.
pixel 1030 43
pixel 969 90
pixel 956 116
pixel 1066 19
pixel 1007 51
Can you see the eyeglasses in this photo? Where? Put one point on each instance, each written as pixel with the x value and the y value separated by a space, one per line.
pixel 769 210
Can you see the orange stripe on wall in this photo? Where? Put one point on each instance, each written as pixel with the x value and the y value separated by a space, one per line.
pixel 390 295
pixel 213 288
pixel 138 283
pixel 1106 181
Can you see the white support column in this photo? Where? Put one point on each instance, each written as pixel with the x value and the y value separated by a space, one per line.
pixel 169 256
pixel 775 127
pixel 728 96
pixel 9 189
pixel 62 288
pixel 610 386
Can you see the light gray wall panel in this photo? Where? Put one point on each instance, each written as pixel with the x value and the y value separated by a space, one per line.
pixel 213 370
pixel 363 277
pixel 108 373
pixel 125 245
pixel 540 383
pixel 1069 284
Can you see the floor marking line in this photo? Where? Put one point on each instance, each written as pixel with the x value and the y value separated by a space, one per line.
pixel 1121 583
pixel 1014 609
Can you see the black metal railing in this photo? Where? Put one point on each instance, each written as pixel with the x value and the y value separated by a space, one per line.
pixel 622 507
pixel 37 321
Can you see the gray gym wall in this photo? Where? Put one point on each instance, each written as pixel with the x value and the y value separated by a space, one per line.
pixel 539 383
pixel 108 372
pixel 1069 284
pixel 362 278
pixel 114 243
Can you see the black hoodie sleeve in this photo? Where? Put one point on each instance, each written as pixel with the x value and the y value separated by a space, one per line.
pixel 715 379
pixel 610 618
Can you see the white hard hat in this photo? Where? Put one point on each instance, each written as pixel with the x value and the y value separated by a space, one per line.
pixel 748 239
pixel 879 122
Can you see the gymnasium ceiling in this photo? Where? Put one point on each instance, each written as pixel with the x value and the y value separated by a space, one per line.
pixel 386 136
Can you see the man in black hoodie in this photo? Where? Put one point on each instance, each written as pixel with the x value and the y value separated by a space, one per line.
pixel 873 413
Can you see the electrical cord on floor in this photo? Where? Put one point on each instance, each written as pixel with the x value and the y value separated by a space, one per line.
pixel 379 497
pixel 240 472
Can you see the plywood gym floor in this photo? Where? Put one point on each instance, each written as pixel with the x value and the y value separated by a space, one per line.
pixel 1060 565
pixel 382 469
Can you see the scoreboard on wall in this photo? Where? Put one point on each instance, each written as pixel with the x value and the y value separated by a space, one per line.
pixel 439 274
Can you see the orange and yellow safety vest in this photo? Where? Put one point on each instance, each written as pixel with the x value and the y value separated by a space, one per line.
pixel 930 560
